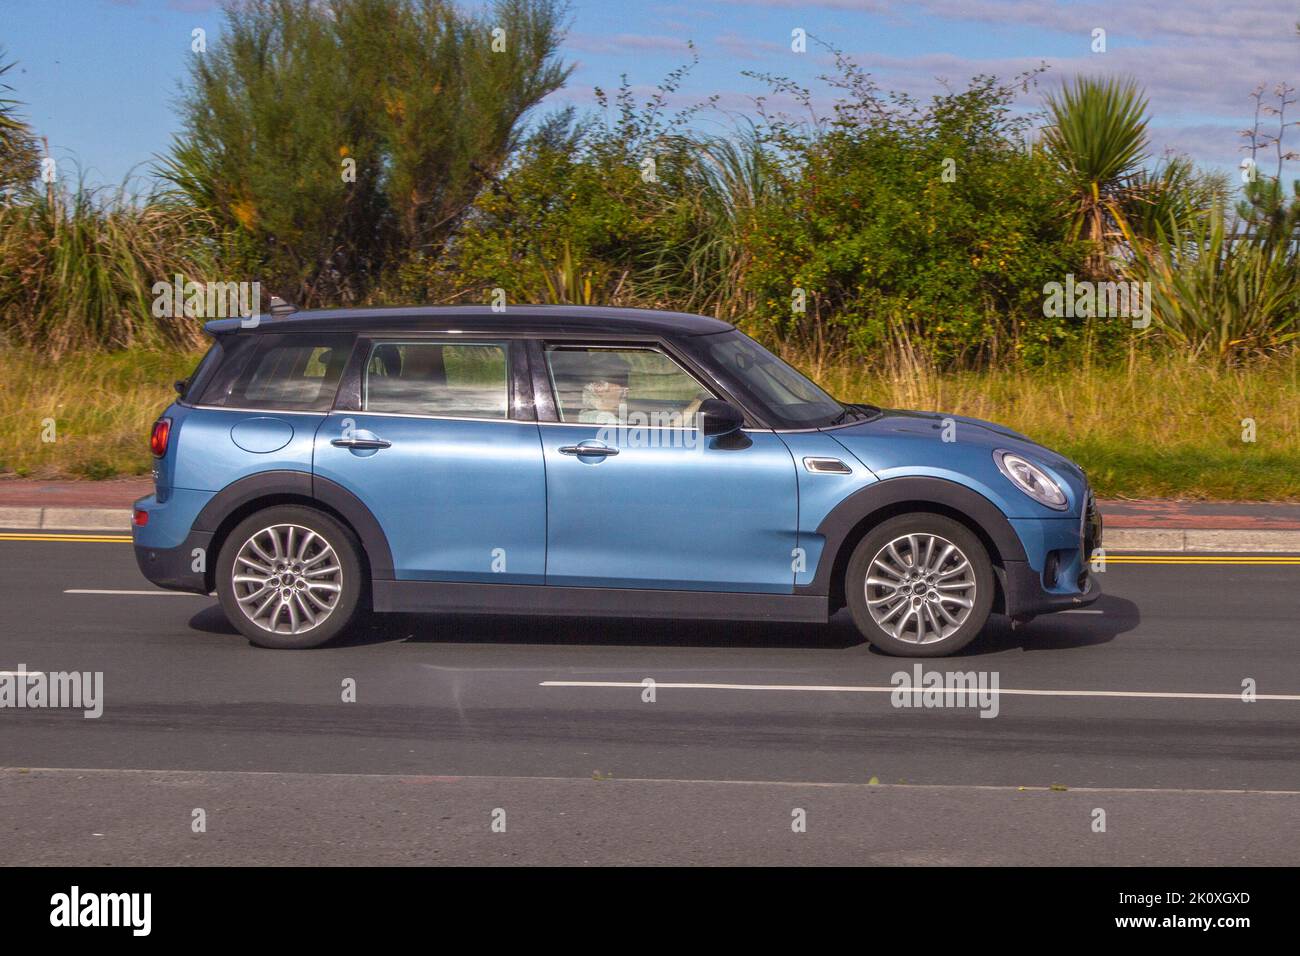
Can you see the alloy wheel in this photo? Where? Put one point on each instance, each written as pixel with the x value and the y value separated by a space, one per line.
pixel 920 588
pixel 287 579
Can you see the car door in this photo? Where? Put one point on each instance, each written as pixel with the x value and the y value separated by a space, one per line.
pixel 636 497
pixel 443 450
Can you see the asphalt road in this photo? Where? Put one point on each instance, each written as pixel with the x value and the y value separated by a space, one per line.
pixel 541 726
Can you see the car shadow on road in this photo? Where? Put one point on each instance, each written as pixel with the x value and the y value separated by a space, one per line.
pixel 1050 632
pixel 577 631
pixel 1100 623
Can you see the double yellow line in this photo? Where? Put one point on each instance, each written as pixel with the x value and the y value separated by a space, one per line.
pixel 37 536
pixel 1202 559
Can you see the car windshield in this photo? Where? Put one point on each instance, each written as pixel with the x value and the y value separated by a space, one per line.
pixel 786 396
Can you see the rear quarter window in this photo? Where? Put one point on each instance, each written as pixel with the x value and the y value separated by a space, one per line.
pixel 290 371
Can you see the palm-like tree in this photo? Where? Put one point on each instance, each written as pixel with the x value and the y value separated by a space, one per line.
pixel 18 157
pixel 1098 138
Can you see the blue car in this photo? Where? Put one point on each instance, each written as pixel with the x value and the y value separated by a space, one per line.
pixel 588 461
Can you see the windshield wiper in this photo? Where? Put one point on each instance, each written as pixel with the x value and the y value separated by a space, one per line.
pixel 859 410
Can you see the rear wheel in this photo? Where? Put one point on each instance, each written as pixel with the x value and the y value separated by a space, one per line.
pixel 290 576
pixel 920 585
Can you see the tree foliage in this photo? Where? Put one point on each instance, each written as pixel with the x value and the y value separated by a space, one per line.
pixel 18 155
pixel 411 96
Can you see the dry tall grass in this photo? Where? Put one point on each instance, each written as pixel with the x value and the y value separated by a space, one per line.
pixel 1153 427
pixel 102 406
pixel 77 269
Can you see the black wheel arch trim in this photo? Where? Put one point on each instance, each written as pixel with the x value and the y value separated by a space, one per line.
pixel 302 484
pixel 883 496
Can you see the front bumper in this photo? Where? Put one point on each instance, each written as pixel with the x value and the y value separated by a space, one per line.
pixel 1025 596
pixel 1024 589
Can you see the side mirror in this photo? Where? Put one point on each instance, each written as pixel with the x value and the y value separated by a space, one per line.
pixel 719 418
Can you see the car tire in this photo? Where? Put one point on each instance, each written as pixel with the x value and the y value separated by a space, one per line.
pixel 923 568
pixel 314 598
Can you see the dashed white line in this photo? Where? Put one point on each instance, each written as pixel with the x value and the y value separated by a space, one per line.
pixel 863 689
pixel 143 593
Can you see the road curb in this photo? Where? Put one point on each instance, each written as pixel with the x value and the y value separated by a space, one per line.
pixel 1116 539
pixel 66 519
pixel 1200 539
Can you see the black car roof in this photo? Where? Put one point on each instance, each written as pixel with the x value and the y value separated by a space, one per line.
pixel 481 318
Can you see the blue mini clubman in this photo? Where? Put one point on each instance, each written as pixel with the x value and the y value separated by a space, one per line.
pixel 588 461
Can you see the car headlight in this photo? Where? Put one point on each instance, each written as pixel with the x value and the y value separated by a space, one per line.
pixel 1030 479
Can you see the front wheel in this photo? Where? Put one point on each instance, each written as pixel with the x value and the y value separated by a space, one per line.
pixel 920 585
pixel 289 577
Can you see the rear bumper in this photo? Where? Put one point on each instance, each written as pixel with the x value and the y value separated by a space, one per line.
pixel 178 569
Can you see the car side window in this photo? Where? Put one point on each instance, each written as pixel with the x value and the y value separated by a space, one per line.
pixel 622 385
pixel 291 372
pixel 439 379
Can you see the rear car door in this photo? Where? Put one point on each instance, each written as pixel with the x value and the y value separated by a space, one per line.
pixel 437 438
pixel 637 497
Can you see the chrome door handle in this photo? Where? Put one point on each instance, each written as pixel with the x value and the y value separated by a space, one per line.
pixel 361 443
pixel 603 451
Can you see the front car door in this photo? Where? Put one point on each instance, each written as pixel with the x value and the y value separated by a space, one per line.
pixel 441 446
pixel 636 497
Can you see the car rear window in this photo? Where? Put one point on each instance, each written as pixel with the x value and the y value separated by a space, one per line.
pixel 290 371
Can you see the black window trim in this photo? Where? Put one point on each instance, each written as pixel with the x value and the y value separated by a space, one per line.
pixel 531 395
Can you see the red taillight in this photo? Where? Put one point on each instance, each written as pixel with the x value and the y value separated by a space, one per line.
pixel 140 517
pixel 162 430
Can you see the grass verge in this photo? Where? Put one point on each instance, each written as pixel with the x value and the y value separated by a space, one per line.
pixel 101 406
pixel 1151 428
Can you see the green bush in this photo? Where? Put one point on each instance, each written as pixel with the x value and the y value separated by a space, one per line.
pixel 930 223
pixel 856 212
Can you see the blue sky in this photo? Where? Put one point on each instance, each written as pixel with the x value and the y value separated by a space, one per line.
pixel 99 77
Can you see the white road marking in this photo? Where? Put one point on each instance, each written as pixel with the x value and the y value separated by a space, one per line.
pixel 159 593
pixel 1082 611
pixel 586 781
pixel 862 689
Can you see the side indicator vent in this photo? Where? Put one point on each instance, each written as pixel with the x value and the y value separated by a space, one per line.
pixel 827 466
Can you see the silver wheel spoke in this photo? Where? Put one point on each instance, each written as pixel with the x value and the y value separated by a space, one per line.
pixel 943 557
pixel 257 550
pixel 253 596
pixel 326 552
pixel 957 570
